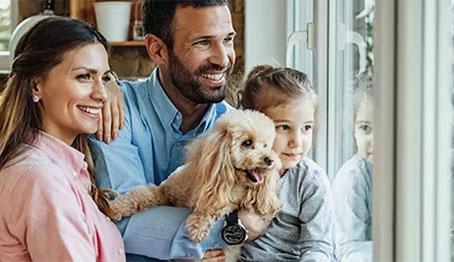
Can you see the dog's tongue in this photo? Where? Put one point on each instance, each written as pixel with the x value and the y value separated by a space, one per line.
pixel 257 175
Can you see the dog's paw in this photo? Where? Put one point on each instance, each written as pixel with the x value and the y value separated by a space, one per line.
pixel 115 210
pixel 197 235
pixel 198 228
pixel 115 217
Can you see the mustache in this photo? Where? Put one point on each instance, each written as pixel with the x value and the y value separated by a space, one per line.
pixel 212 67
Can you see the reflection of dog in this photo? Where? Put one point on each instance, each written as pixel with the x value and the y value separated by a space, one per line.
pixel 230 167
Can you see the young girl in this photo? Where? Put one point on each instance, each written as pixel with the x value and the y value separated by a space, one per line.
pixel 302 230
pixel 352 187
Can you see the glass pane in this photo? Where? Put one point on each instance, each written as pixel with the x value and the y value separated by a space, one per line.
pixel 5 24
pixel 352 158
pixel 451 31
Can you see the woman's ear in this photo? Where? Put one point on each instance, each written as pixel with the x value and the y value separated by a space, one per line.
pixel 157 49
pixel 37 87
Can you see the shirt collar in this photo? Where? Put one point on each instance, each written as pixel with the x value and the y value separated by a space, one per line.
pixel 168 113
pixel 60 152
pixel 159 99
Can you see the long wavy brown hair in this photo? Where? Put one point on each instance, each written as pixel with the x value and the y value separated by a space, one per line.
pixel 38 51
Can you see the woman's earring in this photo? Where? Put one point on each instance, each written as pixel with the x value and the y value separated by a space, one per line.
pixel 35 98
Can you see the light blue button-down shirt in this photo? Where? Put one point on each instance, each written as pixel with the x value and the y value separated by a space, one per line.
pixel 148 149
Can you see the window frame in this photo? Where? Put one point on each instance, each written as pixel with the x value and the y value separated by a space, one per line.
pixel 412 185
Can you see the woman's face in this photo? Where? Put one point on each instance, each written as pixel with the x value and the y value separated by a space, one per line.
pixel 72 93
pixel 364 129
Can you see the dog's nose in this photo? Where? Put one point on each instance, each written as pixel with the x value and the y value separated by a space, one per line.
pixel 268 161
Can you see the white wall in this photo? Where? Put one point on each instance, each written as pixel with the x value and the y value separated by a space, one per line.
pixel 265 32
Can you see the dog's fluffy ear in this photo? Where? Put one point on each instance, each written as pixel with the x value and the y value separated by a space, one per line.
pixel 211 164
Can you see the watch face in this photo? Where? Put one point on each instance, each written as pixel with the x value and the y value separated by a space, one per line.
pixel 233 234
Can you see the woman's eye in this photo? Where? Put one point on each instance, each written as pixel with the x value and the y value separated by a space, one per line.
pixel 106 78
pixel 247 143
pixel 84 77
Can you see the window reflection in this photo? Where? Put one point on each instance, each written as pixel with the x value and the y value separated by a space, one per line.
pixel 354 153
pixel 352 187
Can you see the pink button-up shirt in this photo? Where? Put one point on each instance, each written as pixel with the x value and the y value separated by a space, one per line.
pixel 46 212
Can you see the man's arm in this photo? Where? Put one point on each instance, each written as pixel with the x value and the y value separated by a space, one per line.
pixel 113 112
pixel 157 232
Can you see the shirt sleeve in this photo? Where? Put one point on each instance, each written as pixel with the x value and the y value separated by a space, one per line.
pixel 118 164
pixel 316 218
pixel 52 215
pixel 157 232
pixel 353 217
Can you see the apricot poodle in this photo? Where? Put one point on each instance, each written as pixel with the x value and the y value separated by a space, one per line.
pixel 231 166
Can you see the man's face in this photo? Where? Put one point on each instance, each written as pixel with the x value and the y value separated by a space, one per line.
pixel 202 56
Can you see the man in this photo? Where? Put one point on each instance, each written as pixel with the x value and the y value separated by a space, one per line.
pixel 192 44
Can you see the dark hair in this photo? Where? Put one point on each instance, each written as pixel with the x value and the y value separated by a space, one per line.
pixel 38 51
pixel 157 15
pixel 267 87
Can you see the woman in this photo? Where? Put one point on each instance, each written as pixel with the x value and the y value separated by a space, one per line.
pixel 49 209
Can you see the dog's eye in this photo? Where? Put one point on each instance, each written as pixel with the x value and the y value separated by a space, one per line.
pixel 247 143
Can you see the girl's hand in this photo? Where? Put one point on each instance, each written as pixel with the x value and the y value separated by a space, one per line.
pixel 215 255
pixel 113 113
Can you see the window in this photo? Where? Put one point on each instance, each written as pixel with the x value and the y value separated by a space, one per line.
pixel 405 50
pixel 5 24
pixel 8 21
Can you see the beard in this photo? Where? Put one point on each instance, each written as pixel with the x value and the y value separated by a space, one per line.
pixel 190 85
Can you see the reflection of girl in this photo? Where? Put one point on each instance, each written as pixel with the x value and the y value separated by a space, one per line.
pixel 54 95
pixel 352 187
pixel 302 229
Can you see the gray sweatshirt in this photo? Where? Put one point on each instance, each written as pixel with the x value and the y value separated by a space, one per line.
pixel 302 230
pixel 352 194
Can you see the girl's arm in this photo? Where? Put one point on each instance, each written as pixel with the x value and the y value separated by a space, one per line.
pixel 352 203
pixel 316 216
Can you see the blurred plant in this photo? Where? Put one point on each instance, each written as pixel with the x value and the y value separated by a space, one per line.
pixel 368 15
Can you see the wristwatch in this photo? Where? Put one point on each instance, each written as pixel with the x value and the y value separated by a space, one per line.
pixel 233 232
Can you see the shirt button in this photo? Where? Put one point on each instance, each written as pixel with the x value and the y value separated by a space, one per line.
pixel 120 251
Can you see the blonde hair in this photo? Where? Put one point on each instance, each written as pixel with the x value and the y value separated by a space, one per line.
pixel 268 86
pixel 38 51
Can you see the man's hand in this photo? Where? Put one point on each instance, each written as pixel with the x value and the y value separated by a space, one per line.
pixel 113 113
pixel 215 255
pixel 255 224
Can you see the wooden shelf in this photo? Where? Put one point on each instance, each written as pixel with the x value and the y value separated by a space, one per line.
pixel 128 43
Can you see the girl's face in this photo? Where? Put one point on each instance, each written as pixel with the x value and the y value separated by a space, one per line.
pixel 364 129
pixel 72 93
pixel 294 124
